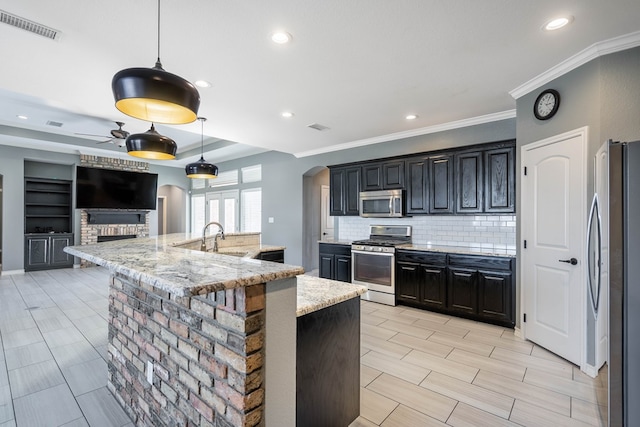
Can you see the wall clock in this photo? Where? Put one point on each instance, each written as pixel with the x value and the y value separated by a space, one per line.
pixel 546 105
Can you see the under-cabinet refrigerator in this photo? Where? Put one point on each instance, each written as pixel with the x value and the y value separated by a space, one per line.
pixel 624 284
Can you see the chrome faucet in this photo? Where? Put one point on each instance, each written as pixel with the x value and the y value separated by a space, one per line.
pixel 203 245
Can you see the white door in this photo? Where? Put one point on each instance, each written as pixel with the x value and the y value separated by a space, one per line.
pixel 553 221
pixel 223 208
pixel 326 220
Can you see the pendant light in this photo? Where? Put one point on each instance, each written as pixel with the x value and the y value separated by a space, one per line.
pixel 201 168
pixel 155 95
pixel 151 145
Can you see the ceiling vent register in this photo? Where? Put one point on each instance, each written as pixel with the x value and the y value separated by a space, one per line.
pixel 25 24
pixel 318 126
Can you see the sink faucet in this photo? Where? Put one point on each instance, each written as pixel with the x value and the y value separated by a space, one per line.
pixel 203 245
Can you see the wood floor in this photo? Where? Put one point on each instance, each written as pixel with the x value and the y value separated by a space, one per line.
pixel 417 368
pixel 425 369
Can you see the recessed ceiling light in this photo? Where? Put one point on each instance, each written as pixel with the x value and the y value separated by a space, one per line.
pixel 411 117
pixel 287 114
pixel 203 83
pixel 20 116
pixel 281 37
pixel 557 23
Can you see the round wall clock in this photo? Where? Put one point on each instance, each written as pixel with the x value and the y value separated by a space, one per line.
pixel 546 105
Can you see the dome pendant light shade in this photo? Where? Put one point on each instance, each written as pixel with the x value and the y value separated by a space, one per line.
pixel 151 145
pixel 201 169
pixel 155 95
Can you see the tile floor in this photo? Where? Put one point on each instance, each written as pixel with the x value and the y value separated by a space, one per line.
pixel 418 368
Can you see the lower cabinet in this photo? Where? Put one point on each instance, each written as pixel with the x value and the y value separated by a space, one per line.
pixel 474 286
pixel 335 262
pixel 46 251
pixel 273 256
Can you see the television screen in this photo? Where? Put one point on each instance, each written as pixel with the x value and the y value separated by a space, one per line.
pixel 115 189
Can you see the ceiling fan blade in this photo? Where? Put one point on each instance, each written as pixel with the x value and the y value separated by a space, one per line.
pixel 90 134
pixel 104 142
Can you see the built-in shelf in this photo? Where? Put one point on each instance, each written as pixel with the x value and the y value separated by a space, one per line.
pixel 47 205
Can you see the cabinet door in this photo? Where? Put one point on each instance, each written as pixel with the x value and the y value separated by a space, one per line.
pixel 326 266
pixel 343 268
pixel 495 296
pixel 417 185
pixel 469 185
pixel 58 255
pixel 352 190
pixel 500 180
pixel 393 175
pixel 441 184
pixel 372 177
pixel 407 281
pixel 36 253
pixel 434 288
pixel 463 290
pixel 337 184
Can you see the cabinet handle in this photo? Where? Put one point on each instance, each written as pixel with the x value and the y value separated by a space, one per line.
pixel 463 274
pixel 493 278
pixel 431 271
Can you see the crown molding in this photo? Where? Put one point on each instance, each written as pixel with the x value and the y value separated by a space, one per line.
pixel 594 51
pixel 488 118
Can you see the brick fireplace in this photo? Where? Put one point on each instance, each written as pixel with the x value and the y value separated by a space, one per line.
pixel 111 223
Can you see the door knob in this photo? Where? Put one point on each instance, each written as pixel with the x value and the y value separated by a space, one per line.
pixel 571 261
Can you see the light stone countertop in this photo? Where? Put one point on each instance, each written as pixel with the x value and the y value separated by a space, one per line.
pixel 315 293
pixel 180 271
pixel 336 242
pixel 461 250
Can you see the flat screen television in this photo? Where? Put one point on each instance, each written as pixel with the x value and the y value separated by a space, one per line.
pixel 98 188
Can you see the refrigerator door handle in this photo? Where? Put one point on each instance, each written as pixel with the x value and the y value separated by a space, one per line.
pixel 594 260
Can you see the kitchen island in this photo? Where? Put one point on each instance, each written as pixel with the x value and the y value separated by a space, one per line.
pixel 199 338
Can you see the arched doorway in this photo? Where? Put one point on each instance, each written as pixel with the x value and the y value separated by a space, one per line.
pixel 312 214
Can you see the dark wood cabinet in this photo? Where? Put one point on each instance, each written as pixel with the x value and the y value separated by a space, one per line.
pixel 417 185
pixel 478 287
pixel 463 290
pixel 335 262
pixel 383 175
pixel 441 184
pixel 469 182
pixel 273 256
pixel 500 180
pixel 344 185
pixel 46 251
pixel 421 278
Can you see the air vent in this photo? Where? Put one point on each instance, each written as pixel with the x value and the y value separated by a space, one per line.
pixel 56 124
pixel 318 126
pixel 25 24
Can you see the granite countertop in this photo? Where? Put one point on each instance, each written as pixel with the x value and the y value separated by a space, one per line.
pixel 315 293
pixel 336 242
pixel 182 272
pixel 462 250
pixel 248 251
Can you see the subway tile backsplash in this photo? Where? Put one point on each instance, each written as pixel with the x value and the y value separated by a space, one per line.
pixel 494 232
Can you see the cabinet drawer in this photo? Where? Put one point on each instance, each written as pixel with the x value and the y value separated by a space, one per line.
pixel 480 262
pixel 433 258
pixel 335 249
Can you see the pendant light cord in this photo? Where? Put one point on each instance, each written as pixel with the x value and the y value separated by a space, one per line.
pixel 202 119
pixel 158 63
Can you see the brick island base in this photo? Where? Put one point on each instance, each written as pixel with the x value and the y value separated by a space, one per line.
pixel 200 360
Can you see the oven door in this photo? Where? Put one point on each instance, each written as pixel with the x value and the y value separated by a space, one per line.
pixel 374 270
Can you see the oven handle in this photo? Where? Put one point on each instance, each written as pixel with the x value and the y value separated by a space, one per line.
pixel 373 253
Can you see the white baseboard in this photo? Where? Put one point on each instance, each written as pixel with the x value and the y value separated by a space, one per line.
pixel 12 272
pixel 517 332
pixel 76 266
pixel 589 370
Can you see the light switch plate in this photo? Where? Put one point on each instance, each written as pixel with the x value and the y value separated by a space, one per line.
pixel 271 220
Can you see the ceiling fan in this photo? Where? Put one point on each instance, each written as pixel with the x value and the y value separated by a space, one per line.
pixel 118 136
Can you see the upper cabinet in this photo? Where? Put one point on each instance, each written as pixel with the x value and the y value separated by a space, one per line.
pixel 345 188
pixel 500 186
pixel 383 175
pixel 471 180
pixel 441 184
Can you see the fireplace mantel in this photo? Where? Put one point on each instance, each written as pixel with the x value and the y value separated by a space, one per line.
pixel 115 216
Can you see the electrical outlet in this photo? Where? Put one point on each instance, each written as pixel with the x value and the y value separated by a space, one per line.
pixel 149 371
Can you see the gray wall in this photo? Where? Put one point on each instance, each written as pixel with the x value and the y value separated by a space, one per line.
pixel 282 176
pixel 176 200
pixel 603 94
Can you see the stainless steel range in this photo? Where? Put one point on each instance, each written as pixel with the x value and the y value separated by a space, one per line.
pixel 373 261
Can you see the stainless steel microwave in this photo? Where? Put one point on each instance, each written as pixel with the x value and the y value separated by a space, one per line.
pixel 381 204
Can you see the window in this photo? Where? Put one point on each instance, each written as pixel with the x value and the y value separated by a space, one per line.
pixel 222 206
pixel 252 173
pixel 197 213
pixel 251 205
pixel 225 178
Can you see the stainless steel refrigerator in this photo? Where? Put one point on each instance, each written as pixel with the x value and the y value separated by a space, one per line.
pixel 624 284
